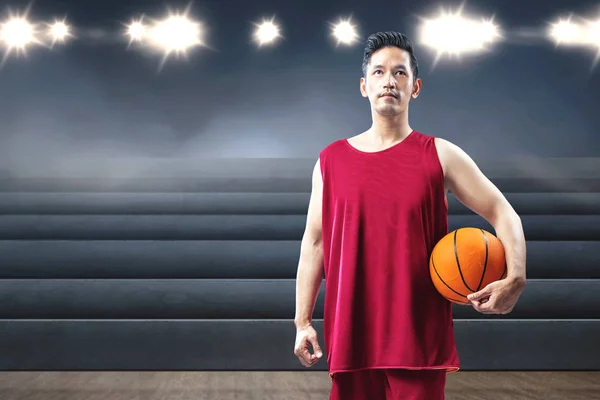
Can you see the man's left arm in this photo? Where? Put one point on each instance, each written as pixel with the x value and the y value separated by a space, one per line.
pixel 473 189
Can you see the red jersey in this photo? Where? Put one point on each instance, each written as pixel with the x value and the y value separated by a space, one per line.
pixel 383 212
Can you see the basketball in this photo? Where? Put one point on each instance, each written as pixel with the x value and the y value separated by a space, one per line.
pixel 465 261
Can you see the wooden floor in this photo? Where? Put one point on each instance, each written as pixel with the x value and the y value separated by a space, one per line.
pixel 308 385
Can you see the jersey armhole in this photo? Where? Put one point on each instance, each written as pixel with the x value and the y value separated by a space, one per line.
pixel 442 172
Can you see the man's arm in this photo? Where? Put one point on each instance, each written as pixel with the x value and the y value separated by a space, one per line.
pixel 473 189
pixel 310 264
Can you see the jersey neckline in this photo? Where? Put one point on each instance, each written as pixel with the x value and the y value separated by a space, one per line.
pixel 379 151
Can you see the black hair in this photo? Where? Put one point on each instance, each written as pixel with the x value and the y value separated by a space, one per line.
pixel 381 40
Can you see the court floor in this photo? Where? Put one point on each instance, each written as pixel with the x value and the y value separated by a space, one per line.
pixel 309 385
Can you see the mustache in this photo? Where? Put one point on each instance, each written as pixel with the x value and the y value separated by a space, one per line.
pixel 389 92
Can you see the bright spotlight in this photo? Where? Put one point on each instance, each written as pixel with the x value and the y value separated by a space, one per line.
pixel 345 32
pixel 136 31
pixel 59 31
pixel 454 34
pixel 175 34
pixel 17 33
pixel 266 32
pixel 566 32
pixel 583 34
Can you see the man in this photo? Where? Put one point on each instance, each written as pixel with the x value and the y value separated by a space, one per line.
pixel 377 208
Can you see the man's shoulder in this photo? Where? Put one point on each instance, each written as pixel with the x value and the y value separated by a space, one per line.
pixel 332 147
pixel 427 136
pixel 452 155
pixel 446 147
pixel 422 138
pixel 428 139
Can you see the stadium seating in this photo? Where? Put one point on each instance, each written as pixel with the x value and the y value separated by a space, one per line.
pixel 192 268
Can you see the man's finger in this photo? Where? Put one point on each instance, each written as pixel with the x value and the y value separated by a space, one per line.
pixel 306 356
pixel 484 308
pixel 317 349
pixel 478 296
pixel 481 301
pixel 303 361
pixel 312 361
pixel 304 353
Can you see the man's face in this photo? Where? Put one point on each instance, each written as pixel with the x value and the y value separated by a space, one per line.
pixel 389 83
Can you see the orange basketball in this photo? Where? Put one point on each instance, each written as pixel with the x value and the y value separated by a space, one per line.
pixel 465 261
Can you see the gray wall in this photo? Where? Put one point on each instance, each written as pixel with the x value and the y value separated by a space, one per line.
pixel 191 267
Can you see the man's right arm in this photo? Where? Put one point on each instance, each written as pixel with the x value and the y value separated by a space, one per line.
pixel 310 264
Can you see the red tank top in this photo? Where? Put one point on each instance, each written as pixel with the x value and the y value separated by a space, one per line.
pixel 383 213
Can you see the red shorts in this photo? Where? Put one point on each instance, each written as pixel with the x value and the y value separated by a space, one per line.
pixel 389 384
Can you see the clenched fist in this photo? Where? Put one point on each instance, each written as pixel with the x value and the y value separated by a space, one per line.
pixel 306 337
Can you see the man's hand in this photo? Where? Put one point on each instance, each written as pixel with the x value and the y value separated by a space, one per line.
pixel 306 337
pixel 498 297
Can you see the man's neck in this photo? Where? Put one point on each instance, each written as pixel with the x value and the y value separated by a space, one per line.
pixel 387 130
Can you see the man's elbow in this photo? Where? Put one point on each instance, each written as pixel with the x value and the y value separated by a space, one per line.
pixel 504 214
pixel 313 235
pixel 312 242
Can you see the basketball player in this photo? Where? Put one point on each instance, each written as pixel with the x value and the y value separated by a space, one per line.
pixel 378 207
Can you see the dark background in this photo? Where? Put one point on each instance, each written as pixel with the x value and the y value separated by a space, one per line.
pixel 77 105
pixel 190 263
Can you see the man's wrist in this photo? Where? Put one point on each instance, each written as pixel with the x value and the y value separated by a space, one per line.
pixel 302 323
pixel 517 280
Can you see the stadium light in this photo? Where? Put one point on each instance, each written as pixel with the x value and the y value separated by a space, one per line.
pixel 567 32
pixel 455 34
pixel 582 34
pixel 136 31
pixel 17 33
pixel 266 33
pixel 176 33
pixel 345 32
pixel 59 31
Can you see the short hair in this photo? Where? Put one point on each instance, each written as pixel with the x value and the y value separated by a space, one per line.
pixel 381 40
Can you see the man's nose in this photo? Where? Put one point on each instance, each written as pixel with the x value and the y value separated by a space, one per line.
pixel 390 82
